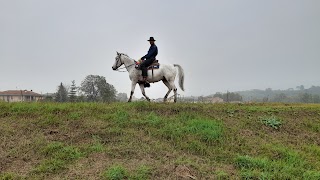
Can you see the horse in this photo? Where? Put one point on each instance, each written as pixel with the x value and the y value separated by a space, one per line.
pixel 166 73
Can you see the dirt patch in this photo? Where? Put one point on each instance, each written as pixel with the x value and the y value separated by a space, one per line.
pixel 247 133
pixel 184 172
pixel 20 167
pixel 4 162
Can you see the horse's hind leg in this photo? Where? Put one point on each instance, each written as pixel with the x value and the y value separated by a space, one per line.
pixel 143 92
pixel 169 89
pixel 173 86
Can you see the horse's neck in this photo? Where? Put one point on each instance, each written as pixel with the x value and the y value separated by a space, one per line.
pixel 128 62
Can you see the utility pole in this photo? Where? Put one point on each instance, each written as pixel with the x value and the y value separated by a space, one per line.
pixel 21 96
pixel 227 96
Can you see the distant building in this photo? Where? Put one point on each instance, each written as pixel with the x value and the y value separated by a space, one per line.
pixel 19 96
pixel 217 100
pixel 213 100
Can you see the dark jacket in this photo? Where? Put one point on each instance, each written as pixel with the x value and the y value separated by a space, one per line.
pixel 152 53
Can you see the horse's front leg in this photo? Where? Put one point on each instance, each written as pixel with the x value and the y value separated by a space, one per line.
pixel 143 92
pixel 133 86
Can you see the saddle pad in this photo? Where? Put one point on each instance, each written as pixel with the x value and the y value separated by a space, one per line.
pixel 154 65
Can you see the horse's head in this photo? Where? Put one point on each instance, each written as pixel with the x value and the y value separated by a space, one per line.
pixel 118 61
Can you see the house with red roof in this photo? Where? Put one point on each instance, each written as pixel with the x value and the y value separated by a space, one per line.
pixel 19 96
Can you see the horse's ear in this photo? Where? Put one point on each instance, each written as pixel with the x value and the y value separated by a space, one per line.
pixel 117 53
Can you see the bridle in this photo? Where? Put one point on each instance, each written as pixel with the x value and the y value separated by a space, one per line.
pixel 118 58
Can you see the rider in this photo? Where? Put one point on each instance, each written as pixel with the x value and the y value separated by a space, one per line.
pixel 149 58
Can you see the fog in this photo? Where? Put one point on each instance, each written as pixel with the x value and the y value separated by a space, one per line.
pixel 222 45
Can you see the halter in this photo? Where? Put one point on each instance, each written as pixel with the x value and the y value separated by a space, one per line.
pixel 125 67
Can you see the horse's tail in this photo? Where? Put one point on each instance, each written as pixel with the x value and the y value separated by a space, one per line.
pixel 181 76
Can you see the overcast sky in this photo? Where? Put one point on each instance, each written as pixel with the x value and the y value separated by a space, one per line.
pixel 222 45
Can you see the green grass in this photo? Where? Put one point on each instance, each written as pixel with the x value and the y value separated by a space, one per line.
pixel 57 157
pixel 288 164
pixel 207 130
pixel 221 175
pixel 9 176
pixel 149 140
pixel 116 172
pixel 96 145
pixel 119 172
pixel 143 172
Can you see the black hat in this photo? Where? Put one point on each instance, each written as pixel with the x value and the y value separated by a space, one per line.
pixel 151 39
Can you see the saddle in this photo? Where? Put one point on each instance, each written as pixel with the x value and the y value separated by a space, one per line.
pixel 154 65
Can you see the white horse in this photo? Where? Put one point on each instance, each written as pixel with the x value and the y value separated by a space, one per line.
pixel 166 73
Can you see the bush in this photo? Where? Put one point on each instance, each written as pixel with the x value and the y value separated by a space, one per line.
pixel 271 121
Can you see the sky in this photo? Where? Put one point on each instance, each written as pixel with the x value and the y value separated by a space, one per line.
pixel 222 45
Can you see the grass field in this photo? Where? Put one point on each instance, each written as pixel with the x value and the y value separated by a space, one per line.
pixel 159 141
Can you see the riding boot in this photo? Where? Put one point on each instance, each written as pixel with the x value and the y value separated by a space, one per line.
pixel 146 83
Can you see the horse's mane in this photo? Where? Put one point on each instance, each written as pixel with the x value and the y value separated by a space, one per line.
pixel 125 54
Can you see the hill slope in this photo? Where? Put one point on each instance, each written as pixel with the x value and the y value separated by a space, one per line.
pixel 159 141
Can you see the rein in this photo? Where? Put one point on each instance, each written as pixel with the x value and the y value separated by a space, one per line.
pixel 125 67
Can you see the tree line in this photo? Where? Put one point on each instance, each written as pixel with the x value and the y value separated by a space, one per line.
pixel 93 88
pixel 300 94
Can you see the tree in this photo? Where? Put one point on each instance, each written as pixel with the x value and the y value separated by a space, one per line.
pixel 301 87
pixel 97 89
pixel 201 99
pixel 234 96
pixel 269 90
pixel 265 99
pixel 306 98
pixel 282 97
pixel 218 94
pixel 316 98
pixel 62 94
pixel 73 92
pixel 122 97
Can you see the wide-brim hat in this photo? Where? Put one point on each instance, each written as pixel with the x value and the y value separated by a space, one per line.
pixel 151 39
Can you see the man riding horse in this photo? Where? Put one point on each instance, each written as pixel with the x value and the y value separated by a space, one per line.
pixel 148 59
